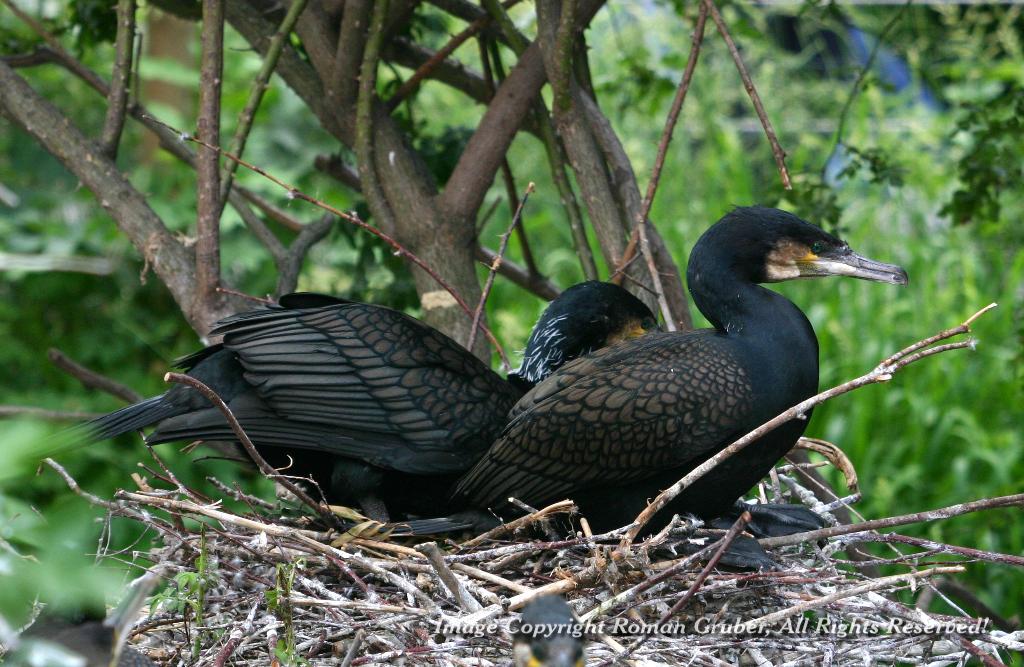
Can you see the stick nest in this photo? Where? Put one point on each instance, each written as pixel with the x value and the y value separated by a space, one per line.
pixel 260 587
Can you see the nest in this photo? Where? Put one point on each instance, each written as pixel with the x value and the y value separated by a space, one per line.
pixel 263 587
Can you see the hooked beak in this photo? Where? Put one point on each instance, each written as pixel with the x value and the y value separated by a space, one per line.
pixel 845 262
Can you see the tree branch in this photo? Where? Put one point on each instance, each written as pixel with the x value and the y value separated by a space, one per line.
pixel 208 162
pixel 91 378
pixel 167 257
pixel 259 86
pixel 535 284
pixel 121 78
pixel 290 264
pixel 748 84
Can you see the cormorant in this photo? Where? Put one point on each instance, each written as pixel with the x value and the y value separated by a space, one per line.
pixel 380 408
pixel 613 429
pixel 548 635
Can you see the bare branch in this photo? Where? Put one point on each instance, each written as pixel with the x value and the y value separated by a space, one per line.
pixel 401 250
pixel 243 438
pixel 748 84
pixel 368 175
pixel 259 86
pixel 883 373
pixel 121 79
pixel 478 313
pixel 538 285
pixel 333 166
pixel 91 378
pixel 291 264
pixel 171 261
pixel 666 137
pixel 208 162
pixel 893 521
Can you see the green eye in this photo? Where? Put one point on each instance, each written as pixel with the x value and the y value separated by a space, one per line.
pixel 818 247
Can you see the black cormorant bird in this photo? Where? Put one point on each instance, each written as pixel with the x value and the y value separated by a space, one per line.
pixel 378 407
pixel 613 429
pixel 548 635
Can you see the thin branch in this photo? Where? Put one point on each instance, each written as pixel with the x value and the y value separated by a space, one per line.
pixel 73 485
pixel 412 84
pixel 322 510
pixel 666 137
pixel 208 163
pixel 478 313
pixel 291 264
pixel 659 289
pixel 873 585
pixel 91 378
pixel 748 84
pixel 516 524
pixel 1016 500
pixel 259 87
pixel 463 598
pixel 538 285
pixel 877 375
pixel 368 176
pixel 561 76
pixel 721 546
pixel 120 81
pixel 333 166
pixel 400 250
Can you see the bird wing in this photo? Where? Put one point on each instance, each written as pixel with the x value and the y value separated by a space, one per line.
pixel 622 415
pixel 385 383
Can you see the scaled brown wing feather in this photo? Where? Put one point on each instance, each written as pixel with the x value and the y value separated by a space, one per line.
pixel 370 374
pixel 634 410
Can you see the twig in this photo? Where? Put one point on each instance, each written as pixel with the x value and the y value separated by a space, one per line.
pixel 659 289
pixel 721 546
pixel 91 378
pixel 400 250
pixel 259 87
pixel 882 373
pixel 353 649
pixel 748 84
pixel 291 264
pixel 873 585
pixel 121 78
pixel 940 547
pixel 891 522
pixel 250 449
pixel 73 485
pixel 209 206
pixel 666 137
pixel 516 524
pixel 535 284
pixel 423 71
pixel 463 598
pixel 502 247
pixel 986 659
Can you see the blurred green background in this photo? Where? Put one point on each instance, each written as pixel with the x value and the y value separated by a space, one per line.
pixel 928 176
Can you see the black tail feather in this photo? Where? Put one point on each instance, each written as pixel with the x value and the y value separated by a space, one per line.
pixel 131 418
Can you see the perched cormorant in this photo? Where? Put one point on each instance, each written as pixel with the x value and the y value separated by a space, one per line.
pixel 548 635
pixel 613 429
pixel 380 408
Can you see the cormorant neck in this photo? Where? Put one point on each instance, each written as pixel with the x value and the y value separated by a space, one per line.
pixel 732 301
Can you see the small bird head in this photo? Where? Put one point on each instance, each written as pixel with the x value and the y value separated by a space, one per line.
pixel 584 318
pixel 549 635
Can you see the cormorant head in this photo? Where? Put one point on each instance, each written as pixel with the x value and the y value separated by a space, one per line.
pixel 548 635
pixel 768 245
pixel 584 318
